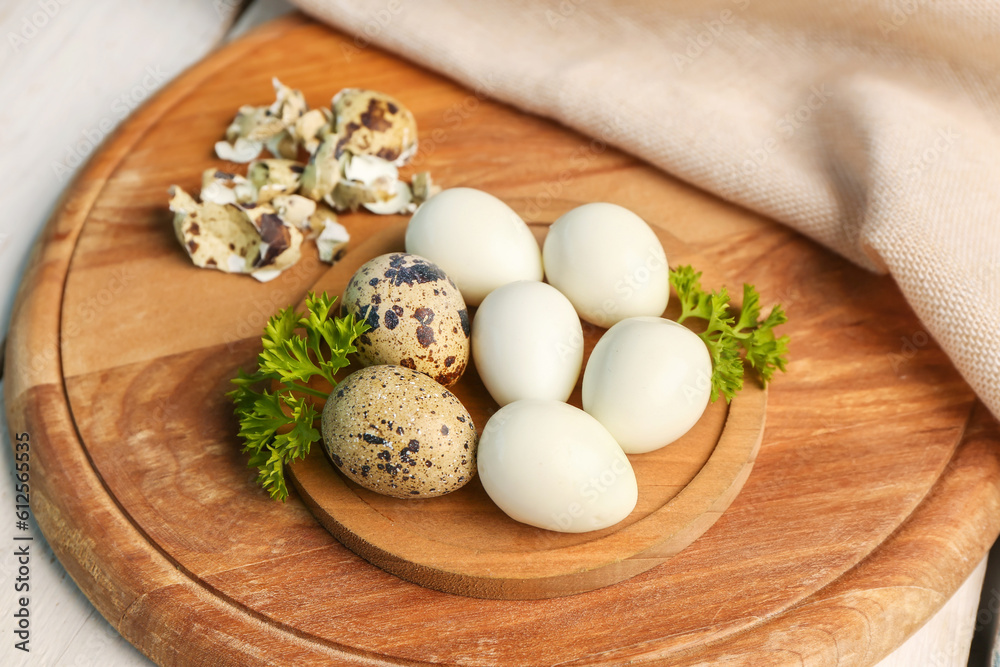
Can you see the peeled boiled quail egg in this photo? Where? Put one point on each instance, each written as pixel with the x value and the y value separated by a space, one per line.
pixel 527 342
pixel 550 465
pixel 648 382
pixel 479 241
pixel 608 262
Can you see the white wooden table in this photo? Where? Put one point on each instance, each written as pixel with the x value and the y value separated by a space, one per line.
pixel 70 71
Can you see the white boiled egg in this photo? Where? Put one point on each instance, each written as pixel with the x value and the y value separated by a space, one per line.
pixel 648 382
pixel 527 342
pixel 550 465
pixel 608 262
pixel 479 241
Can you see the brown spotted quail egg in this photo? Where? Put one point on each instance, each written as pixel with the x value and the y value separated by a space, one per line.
pixel 399 433
pixel 372 123
pixel 416 315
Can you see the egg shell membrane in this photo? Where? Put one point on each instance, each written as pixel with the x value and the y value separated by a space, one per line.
pixel 397 432
pixel 417 316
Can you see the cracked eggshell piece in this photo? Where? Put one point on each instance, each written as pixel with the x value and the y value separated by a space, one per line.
pixel 318 220
pixel 246 119
pixel 254 127
pixel 222 187
pixel 370 170
pixel 323 171
pixel 350 196
pixel 294 210
pixel 371 182
pixel 254 124
pixel 254 211
pixel 332 241
pixel 265 275
pixel 367 122
pixel 479 241
pixel 274 177
pixel 312 128
pixel 423 188
pixel 289 103
pixel 216 236
pixel 400 201
pixel 277 128
pixel 283 145
pixel 280 244
pixel 181 203
pixel 241 150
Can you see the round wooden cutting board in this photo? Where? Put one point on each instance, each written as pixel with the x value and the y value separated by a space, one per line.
pixel 875 491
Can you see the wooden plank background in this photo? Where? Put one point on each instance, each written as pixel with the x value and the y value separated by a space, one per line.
pixel 70 71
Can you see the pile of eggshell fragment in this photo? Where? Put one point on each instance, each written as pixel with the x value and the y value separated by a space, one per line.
pixel 542 461
pixel 255 224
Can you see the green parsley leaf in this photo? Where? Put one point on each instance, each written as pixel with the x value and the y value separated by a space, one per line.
pixel 280 427
pixel 730 339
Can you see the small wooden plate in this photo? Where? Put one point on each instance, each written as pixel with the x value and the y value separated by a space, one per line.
pixel 463 543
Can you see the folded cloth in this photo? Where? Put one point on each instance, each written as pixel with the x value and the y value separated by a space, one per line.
pixel 871 126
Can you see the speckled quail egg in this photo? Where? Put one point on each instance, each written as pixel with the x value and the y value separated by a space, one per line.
pixel 372 123
pixel 416 313
pixel 399 433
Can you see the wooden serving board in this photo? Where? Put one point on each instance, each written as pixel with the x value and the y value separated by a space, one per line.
pixel 875 491
pixel 463 543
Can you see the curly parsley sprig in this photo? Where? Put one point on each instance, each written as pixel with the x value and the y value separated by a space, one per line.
pixel 731 339
pixel 279 426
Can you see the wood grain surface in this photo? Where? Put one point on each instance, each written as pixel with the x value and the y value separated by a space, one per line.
pixel 875 493
pixel 463 543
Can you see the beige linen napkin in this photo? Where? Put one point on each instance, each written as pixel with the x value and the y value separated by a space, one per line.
pixel 872 127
